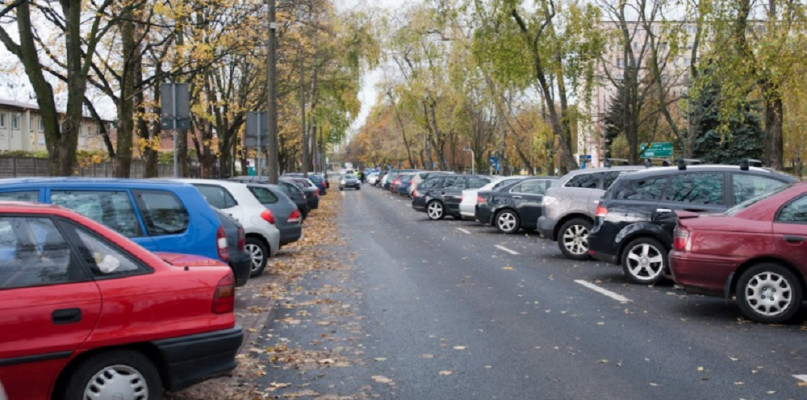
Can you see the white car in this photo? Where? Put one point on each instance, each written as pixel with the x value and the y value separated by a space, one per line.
pixel 372 177
pixel 469 196
pixel 236 200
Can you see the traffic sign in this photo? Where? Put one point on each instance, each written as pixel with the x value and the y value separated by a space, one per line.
pixel 656 149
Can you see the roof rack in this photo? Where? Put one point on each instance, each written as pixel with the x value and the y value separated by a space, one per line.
pixel 749 162
pixel 683 162
pixel 648 161
pixel 610 161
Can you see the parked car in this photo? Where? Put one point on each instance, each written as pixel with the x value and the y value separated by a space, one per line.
pixel 372 177
pixel 287 216
pixel 440 195
pixel 755 251
pixel 320 182
pixel 159 215
pixel 236 241
pixel 404 183
pixel 311 191
pixel 294 192
pixel 420 176
pixel 635 220
pixel 513 207
pixel 569 205
pixel 324 178
pixel 349 181
pixel 470 196
pixel 88 313
pixel 236 200
pixel 379 182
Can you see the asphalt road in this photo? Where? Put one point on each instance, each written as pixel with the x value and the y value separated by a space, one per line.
pixel 453 309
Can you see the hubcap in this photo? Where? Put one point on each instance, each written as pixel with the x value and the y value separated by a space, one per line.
pixel 575 239
pixel 435 210
pixel 119 382
pixel 255 255
pixel 645 262
pixel 768 293
pixel 507 221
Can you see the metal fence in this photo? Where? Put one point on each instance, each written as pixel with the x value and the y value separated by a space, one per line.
pixel 18 167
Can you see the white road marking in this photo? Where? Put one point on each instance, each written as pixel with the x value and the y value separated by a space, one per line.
pixel 502 248
pixel 464 230
pixel 802 378
pixel 605 292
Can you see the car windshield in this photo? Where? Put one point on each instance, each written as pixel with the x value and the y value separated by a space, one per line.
pixel 350 176
pixel 748 203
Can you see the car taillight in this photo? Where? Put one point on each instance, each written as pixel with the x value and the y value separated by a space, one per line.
pixel 414 193
pixel 224 296
pixel 221 244
pixel 601 211
pixel 242 239
pixel 680 239
pixel 480 199
pixel 268 216
pixel 294 217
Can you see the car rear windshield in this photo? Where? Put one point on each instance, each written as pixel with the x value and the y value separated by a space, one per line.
pixel 754 200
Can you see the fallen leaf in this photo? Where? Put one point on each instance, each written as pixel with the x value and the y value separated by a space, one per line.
pixel 445 373
pixel 508 268
pixel 383 379
pixel 379 359
pixel 700 368
pixel 459 347
pixel 427 356
pixel 326 361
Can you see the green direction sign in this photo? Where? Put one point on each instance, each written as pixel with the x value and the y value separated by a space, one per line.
pixel 657 149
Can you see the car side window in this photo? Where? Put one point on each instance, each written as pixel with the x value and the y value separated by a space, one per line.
pixel 476 182
pixel 33 252
pixel 455 183
pixel 430 183
pixel 112 208
pixel 747 186
pixel 533 186
pixel 585 181
pixel 794 212
pixel 162 212
pixel 264 195
pixel 650 188
pixel 31 196
pixel 610 178
pixel 696 188
pixel 104 258
pixel 216 196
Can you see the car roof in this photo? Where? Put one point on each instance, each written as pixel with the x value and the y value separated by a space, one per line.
pixel 653 171
pixel 98 182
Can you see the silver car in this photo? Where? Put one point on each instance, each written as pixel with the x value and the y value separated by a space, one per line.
pixel 569 207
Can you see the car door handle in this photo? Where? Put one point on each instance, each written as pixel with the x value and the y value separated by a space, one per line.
pixel 663 210
pixel 517 197
pixel 66 316
pixel 795 239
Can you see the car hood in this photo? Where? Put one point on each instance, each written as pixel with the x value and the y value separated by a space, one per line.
pixel 189 260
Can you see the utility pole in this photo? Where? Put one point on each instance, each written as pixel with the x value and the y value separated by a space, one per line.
pixel 272 144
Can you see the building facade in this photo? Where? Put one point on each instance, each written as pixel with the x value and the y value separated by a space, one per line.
pixel 21 129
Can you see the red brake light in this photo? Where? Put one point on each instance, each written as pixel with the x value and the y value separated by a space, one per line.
pixel 680 239
pixel 242 239
pixel 294 217
pixel 221 244
pixel 224 296
pixel 601 211
pixel 480 199
pixel 268 216
pixel 414 193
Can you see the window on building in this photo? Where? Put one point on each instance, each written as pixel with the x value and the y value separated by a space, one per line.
pixel 41 125
pixel 2 120
pixel 15 121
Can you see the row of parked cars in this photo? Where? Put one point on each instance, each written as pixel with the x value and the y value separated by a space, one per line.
pixel 726 230
pixel 121 288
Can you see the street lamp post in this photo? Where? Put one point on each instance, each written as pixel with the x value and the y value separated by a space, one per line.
pixel 473 169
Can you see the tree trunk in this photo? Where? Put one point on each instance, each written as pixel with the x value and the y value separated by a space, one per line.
pixel 126 99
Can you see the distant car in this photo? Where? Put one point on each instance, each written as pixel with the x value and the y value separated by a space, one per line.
pixel 311 191
pixel 287 216
pixel 513 207
pixel 294 192
pixel 236 200
pixel 470 196
pixel 440 195
pixel 635 221
pixel 755 251
pixel 569 206
pixel 349 181
pixel 320 182
pixel 372 177
pixel 87 313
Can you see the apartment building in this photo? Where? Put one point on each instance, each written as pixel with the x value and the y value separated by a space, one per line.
pixel 21 129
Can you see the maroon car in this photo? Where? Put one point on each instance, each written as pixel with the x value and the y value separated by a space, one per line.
pixel 755 251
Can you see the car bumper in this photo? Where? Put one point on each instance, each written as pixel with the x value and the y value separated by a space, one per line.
pixel 240 264
pixel 290 233
pixel 547 228
pixel 701 273
pixel 483 214
pixel 191 359
pixel 419 204
pixel 602 251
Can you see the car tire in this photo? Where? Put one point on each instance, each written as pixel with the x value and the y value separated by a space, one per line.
pixel 358 187
pixel 769 293
pixel 258 255
pixel 104 375
pixel 435 210
pixel 644 261
pixel 507 221
pixel 573 239
pixel 340 188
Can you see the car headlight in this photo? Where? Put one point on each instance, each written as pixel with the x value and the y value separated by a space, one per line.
pixel 343 181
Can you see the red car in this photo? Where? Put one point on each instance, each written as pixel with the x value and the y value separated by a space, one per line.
pixel 87 313
pixel 755 251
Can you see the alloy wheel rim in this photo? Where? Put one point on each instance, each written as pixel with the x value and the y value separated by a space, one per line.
pixel 117 382
pixel 255 256
pixel 435 210
pixel 507 221
pixel 769 294
pixel 575 239
pixel 645 262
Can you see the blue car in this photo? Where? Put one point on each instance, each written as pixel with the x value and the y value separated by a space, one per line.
pixel 158 215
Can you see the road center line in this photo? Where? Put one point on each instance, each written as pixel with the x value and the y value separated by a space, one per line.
pixel 605 292
pixel 802 378
pixel 502 248
pixel 464 230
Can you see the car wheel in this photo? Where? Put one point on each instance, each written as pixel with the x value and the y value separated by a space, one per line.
pixel 644 261
pixel 258 254
pixel 507 221
pixel 340 188
pixel 114 374
pixel 435 210
pixel 769 293
pixel 573 239
pixel 358 187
